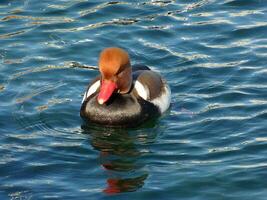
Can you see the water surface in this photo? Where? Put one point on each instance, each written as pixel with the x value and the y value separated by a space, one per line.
pixel 212 144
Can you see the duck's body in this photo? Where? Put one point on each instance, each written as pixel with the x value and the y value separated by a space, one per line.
pixel 124 96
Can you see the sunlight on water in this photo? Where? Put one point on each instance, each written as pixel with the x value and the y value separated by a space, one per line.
pixel 212 142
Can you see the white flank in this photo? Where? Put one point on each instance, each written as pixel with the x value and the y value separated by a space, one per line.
pixel 164 100
pixel 141 90
pixel 91 90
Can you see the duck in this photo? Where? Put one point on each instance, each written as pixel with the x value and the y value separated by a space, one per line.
pixel 124 95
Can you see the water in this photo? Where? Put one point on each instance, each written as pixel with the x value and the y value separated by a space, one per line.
pixel 211 145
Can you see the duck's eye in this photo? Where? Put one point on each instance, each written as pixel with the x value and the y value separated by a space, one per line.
pixel 119 73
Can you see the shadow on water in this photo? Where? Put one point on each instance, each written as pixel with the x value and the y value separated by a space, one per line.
pixel 120 155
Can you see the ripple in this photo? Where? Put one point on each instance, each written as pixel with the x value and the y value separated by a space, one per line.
pixel 67 65
pixel 211 143
pixel 26 194
pixel 38 92
pixel 258 165
pixel 244 13
pixel 52 102
pixel 2 88
pixel 38 20
pixel 8 35
pixel 122 22
pixel 176 54
pixel 101 6
pixel 223 149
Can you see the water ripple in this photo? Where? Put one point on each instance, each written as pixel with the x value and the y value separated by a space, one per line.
pixel 212 142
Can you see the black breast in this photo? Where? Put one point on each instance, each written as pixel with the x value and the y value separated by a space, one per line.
pixel 125 110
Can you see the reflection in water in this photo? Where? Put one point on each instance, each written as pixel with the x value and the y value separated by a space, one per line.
pixel 120 158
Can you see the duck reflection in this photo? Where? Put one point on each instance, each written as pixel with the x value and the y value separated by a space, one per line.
pixel 121 157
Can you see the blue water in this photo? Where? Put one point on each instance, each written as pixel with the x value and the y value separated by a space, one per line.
pixel 212 144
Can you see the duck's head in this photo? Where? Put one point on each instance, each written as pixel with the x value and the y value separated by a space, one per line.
pixel 116 73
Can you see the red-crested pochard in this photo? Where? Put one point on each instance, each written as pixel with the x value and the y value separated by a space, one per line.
pixel 124 95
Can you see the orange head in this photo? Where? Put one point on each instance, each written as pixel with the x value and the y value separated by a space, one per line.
pixel 116 73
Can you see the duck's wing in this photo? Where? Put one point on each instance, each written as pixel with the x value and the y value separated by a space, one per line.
pixel 150 86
